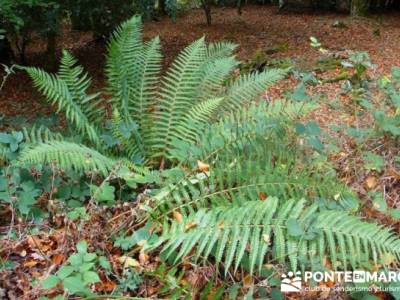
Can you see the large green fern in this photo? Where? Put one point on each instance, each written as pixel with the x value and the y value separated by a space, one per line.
pixel 262 230
pixel 192 93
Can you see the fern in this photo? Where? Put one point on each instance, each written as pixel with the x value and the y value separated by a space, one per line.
pixel 78 83
pixel 250 85
pixel 178 92
pixel 230 234
pixel 250 153
pixel 68 156
pixel 68 91
pixel 124 49
pixel 192 94
pixel 41 134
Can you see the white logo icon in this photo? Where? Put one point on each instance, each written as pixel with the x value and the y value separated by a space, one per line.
pixel 291 282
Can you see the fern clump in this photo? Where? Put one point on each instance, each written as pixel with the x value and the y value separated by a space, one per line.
pixel 150 111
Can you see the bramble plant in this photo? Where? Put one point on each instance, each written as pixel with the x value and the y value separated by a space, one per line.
pixel 79 273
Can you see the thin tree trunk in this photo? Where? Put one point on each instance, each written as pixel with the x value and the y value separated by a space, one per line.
pixel 6 52
pixel 161 7
pixel 359 7
pixel 207 10
pixel 51 50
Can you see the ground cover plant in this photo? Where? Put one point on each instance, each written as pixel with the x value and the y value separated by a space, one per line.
pixel 192 181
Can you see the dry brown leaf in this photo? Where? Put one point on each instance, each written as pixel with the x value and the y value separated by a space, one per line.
pixel 128 262
pixel 248 281
pixel 58 259
pixel 190 225
pixel 178 217
pixel 203 167
pixel 34 242
pixel 371 182
pixel 262 196
pixel 143 258
pixel 30 263
pixel 105 286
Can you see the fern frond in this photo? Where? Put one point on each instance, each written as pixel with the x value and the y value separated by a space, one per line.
pixel 57 92
pixel 127 133
pixel 178 96
pixel 41 134
pixel 68 156
pixel 219 50
pixel 144 88
pixel 232 233
pixel 196 118
pixel 78 82
pixel 250 153
pixel 122 69
pixel 248 86
pixel 214 75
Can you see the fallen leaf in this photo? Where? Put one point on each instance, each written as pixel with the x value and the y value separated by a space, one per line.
pixel 190 225
pixel 128 262
pixel 34 242
pixel 262 196
pixel 178 217
pixel 143 258
pixel 105 286
pixel 203 167
pixel 371 182
pixel 30 263
pixel 247 281
pixel 57 259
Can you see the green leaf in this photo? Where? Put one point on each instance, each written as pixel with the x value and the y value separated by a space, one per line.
pixel 91 277
pixel 105 263
pixel 276 294
pixel 3 184
pixel 373 162
pixel 76 259
pixel 65 271
pixel 294 228
pixel 50 282
pixel 89 257
pixel 74 284
pixel 81 246
pixel 86 267
pixel 104 193
pixel 395 213
pixel 313 128
pixel 379 202
pixel 25 202
pixel 299 93
pixel 233 291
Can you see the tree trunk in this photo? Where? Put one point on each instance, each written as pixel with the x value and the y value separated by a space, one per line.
pixel 161 7
pixel 359 7
pixel 6 52
pixel 207 10
pixel 51 50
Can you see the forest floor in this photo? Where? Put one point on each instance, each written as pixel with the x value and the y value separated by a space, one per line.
pixel 260 32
